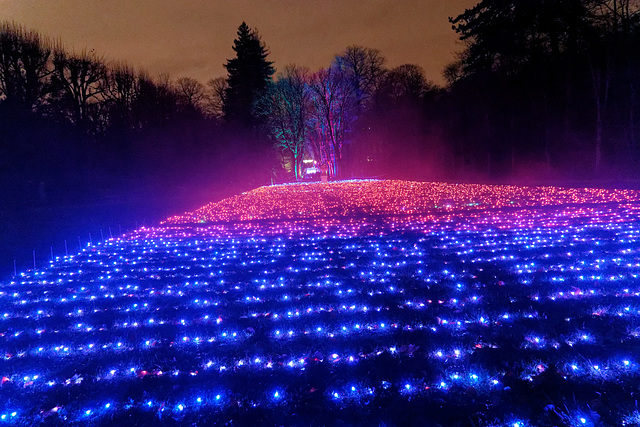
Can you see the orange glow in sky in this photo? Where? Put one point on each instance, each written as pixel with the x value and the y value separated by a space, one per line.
pixel 194 38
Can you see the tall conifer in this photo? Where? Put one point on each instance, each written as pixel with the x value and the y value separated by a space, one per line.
pixel 249 73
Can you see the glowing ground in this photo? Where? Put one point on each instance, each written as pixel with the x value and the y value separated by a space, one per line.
pixel 343 303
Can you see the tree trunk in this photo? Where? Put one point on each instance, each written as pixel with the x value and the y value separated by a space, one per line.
pixel 598 135
pixel 487 124
pixel 547 136
pixel 631 138
pixel 601 93
pixel 512 130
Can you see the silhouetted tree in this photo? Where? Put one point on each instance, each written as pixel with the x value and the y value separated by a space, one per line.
pixel 397 142
pixel 213 102
pixel 364 69
pixel 248 75
pixel 525 59
pixel 612 38
pixel 157 102
pixel 190 93
pixel 406 83
pixel 120 91
pixel 615 16
pixel 80 78
pixel 507 34
pixel 334 110
pixel 24 67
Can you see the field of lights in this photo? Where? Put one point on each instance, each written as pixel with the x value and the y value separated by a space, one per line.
pixel 346 303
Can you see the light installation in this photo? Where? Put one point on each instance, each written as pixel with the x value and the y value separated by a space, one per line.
pixel 381 300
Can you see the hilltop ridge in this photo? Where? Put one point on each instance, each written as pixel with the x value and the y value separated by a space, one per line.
pixel 386 198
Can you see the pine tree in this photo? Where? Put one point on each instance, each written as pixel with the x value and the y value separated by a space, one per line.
pixel 249 73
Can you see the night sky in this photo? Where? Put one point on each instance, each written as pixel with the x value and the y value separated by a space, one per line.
pixel 194 38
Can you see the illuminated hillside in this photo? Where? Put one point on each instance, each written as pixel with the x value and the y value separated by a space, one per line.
pixel 387 197
pixel 484 306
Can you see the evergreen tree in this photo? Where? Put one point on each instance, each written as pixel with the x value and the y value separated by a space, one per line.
pixel 249 73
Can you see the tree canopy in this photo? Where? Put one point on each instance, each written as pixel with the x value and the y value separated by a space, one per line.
pixel 248 75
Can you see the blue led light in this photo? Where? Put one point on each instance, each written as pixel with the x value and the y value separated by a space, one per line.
pixel 345 296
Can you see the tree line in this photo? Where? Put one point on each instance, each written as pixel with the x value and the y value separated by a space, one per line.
pixel 547 83
pixel 543 88
pixel 74 125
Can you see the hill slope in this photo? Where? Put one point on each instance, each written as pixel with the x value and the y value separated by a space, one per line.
pixel 388 197
pixel 369 303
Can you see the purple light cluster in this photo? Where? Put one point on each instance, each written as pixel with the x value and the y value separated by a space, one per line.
pixel 452 319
